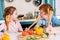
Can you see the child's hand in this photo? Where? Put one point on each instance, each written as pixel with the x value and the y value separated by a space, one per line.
pixel 26 29
pixel 49 28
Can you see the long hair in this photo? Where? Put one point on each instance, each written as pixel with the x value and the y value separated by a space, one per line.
pixel 45 7
pixel 8 11
pixel 48 9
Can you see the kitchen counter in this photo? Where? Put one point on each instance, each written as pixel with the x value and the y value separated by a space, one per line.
pixel 30 21
pixel 14 36
pixel 52 36
pixel 22 21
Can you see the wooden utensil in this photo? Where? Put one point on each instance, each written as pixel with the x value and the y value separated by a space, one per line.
pixel 37 19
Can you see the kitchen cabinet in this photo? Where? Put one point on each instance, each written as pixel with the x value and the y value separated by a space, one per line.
pixel 26 23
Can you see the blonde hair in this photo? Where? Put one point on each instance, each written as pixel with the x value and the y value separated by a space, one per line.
pixel 48 9
pixel 45 7
pixel 8 11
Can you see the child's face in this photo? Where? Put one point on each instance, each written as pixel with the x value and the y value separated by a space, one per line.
pixel 43 15
pixel 14 16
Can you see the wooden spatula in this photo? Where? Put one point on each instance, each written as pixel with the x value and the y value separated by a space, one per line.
pixel 37 19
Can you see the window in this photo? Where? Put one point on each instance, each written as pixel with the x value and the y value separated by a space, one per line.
pixel 52 3
pixel 57 7
pixel 1 9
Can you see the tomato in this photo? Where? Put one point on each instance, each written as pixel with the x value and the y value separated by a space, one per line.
pixel 31 32
pixel 24 33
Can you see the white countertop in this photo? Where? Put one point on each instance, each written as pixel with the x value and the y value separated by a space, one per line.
pixel 14 36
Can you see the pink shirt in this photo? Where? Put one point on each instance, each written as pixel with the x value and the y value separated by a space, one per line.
pixel 13 26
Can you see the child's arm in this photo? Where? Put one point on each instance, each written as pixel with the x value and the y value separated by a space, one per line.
pixel 56 21
pixel 39 23
pixel 19 27
pixel 2 27
pixel 50 13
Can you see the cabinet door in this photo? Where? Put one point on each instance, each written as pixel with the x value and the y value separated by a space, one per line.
pixel 1 9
